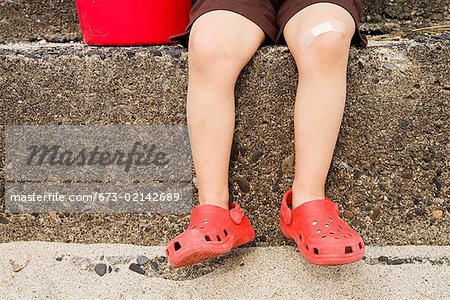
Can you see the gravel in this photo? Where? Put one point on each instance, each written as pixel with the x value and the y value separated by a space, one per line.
pixel 136 268
pixel 142 260
pixel 100 269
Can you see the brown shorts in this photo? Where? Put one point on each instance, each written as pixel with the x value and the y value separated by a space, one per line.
pixel 270 15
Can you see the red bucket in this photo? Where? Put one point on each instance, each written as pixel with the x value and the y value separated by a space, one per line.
pixel 132 22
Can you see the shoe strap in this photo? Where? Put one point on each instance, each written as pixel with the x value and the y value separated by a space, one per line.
pixel 236 213
pixel 213 212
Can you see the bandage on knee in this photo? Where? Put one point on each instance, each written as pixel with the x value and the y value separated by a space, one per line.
pixel 328 26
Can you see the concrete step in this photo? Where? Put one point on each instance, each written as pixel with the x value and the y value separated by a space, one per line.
pixel 389 173
pixel 66 271
pixel 57 21
pixel 386 16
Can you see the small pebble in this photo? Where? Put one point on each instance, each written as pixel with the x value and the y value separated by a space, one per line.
pixel 262 238
pixel 57 39
pixel 256 156
pixel 348 214
pixel 437 214
pixel 419 211
pixel 407 175
pixel 102 257
pixel 142 260
pixel 3 220
pixel 396 261
pixel 117 270
pixel 242 150
pixel 154 265
pixel 383 258
pixel 287 165
pixel 162 259
pixel 100 269
pixel 243 184
pixel 439 201
pixel 59 258
pixel 375 213
pixel 136 268
pixel 390 67
pixel 195 181
pixel 109 269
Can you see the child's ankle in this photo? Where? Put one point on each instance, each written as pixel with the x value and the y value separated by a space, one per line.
pixel 218 199
pixel 303 194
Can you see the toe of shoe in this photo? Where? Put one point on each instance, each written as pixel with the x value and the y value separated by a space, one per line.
pixel 336 246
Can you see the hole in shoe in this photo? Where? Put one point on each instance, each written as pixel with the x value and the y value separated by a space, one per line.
pixel 360 245
pixel 207 238
pixel 314 223
pixel 225 232
pixel 331 232
pixel 205 221
pixel 177 246
pixel 316 251
pixel 323 236
pixel 307 248
pixel 301 237
pixel 331 219
pixel 348 250
pixel 218 238
pixel 318 231
pixel 327 225
pixel 167 252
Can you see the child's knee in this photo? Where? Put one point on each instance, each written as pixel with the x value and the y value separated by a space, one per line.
pixel 210 50
pixel 327 52
pixel 326 44
pixel 331 45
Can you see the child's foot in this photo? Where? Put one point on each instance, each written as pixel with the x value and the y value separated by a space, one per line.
pixel 321 235
pixel 212 231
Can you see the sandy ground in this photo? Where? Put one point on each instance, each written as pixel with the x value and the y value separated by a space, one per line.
pixel 39 270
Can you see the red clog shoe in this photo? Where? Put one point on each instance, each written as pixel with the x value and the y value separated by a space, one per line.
pixel 321 235
pixel 212 231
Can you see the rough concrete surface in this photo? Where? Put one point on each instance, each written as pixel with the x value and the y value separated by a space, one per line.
pixel 385 16
pixel 30 20
pixel 390 170
pixel 34 270
pixel 57 20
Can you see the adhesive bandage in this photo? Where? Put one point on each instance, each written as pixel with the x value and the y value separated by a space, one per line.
pixel 329 26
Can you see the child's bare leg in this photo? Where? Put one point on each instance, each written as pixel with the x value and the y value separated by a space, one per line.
pixel 220 45
pixel 320 101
